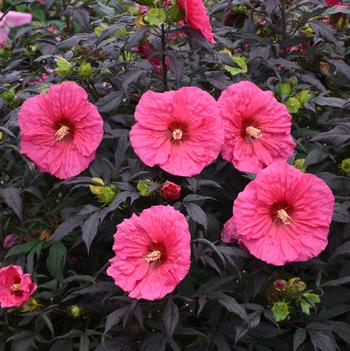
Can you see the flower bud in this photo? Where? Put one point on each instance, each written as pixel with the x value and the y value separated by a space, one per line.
pixel 1 135
pixel 95 189
pixel 11 240
pixel 345 165
pixel 304 96
pixel 171 191
pixel 85 70
pixel 63 67
pixel 32 305
pixel 107 194
pixel 292 104
pixel 280 284
pixel 143 187
pixel 296 284
pixel 300 164
pixel 75 311
pixel 284 89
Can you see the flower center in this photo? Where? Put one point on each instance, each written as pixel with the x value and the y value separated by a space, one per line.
pixel 284 216
pixel 253 132
pixel 177 134
pixel 153 256
pixel 62 132
pixel 16 287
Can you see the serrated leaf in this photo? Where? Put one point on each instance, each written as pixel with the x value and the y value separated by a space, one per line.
pixel 197 214
pixel 89 229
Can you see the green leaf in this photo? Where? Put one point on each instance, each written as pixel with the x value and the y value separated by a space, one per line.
pixel 305 306
pixel 280 311
pixel 312 297
pixel 22 248
pixel 174 14
pixel 56 259
pixel 155 17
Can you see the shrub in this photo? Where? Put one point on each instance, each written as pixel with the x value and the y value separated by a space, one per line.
pixel 61 231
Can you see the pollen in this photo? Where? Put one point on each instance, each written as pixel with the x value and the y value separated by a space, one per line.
pixel 253 132
pixel 153 256
pixel 177 134
pixel 16 287
pixel 284 216
pixel 62 132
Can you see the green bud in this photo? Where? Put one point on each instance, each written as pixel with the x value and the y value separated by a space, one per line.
pixel 284 89
pixel 143 187
pixel 95 189
pixel 32 305
pixel 155 17
pixel 345 165
pixel 296 285
pixel 280 311
pixel 85 70
pixel 5 53
pixel 307 30
pixel 300 164
pixel 99 30
pixel 9 95
pixel 44 88
pixel 75 311
pixel 304 96
pixel 293 81
pixel 63 67
pixel 1 135
pixel 107 194
pixel 133 10
pixel 293 105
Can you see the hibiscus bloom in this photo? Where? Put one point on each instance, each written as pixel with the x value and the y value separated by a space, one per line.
pixel 15 287
pixel 257 127
pixel 152 253
pixel 12 19
pixel 60 130
pixel 180 131
pixel 283 215
pixel 196 17
pixel 229 232
pixel 333 2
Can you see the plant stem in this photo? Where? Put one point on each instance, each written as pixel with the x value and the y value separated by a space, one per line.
pixel 163 60
pixel 68 23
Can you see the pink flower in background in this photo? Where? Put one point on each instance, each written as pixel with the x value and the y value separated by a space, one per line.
pixel 196 17
pixel 15 287
pixel 229 233
pixel 60 130
pixel 283 215
pixel 11 240
pixel 333 2
pixel 257 127
pixel 152 253
pixel 12 19
pixel 179 131
pixel 147 51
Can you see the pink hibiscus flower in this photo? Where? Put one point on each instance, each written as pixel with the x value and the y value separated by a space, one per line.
pixel 283 215
pixel 152 253
pixel 333 2
pixel 196 17
pixel 229 232
pixel 60 130
pixel 147 51
pixel 12 19
pixel 257 127
pixel 180 131
pixel 15 287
